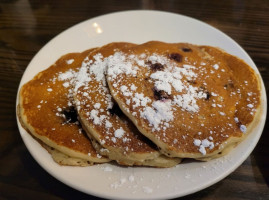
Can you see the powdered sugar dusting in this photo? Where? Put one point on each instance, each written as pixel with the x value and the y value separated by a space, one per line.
pixel 140 100
pixel 203 145
pixel 147 189
pixel 93 96
pixel 119 133
pixel 173 78
pixel 243 128
pixel 175 86
pixel 70 61
pixel 118 64
pixel 158 113
pixel 82 77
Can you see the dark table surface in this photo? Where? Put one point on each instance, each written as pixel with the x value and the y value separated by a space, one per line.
pixel 27 25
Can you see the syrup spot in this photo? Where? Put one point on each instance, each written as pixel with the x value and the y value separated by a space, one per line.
pixel 175 56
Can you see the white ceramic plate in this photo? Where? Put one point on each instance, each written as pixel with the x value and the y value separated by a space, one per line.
pixel 110 181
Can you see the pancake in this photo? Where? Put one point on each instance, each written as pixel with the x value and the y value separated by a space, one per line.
pixel 47 112
pixel 63 159
pixel 191 101
pixel 116 136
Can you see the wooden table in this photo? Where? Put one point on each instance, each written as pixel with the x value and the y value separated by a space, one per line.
pixel 27 25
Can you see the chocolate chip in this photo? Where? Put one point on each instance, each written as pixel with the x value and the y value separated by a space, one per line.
pixel 70 114
pixel 186 49
pixel 115 110
pixel 160 94
pixel 175 56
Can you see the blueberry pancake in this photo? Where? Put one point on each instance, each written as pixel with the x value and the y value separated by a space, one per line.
pixel 191 101
pixel 47 112
pixel 116 136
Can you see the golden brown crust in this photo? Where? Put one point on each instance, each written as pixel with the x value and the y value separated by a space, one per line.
pixel 44 101
pixel 102 120
pixel 191 101
pixel 205 104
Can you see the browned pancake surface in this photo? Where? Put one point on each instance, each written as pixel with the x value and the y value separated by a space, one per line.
pixel 46 110
pixel 105 122
pixel 190 100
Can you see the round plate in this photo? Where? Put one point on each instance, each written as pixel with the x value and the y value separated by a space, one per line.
pixel 112 181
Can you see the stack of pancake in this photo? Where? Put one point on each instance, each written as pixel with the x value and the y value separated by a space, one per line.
pixel 151 104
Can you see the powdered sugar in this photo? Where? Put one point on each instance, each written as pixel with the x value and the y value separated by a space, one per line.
pixel 171 78
pixel 203 145
pixel 97 119
pixel 97 106
pixel 147 189
pixel 125 91
pixel 66 75
pixel 81 77
pixel 133 87
pixel 250 105
pixel 102 115
pixel 119 133
pixel 140 100
pixel 131 178
pixel 236 119
pixel 164 80
pixel 66 84
pixel 186 102
pixel 118 64
pixel 216 66
pixel 175 83
pixel 108 124
pixel 243 128
pixel 98 67
pixel 197 142
pixel 158 113
pixel 70 61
